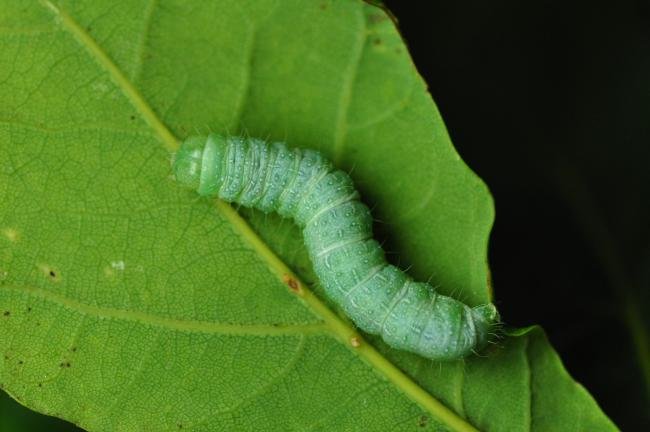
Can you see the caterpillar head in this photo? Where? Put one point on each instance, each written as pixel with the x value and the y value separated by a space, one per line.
pixel 196 163
pixel 187 161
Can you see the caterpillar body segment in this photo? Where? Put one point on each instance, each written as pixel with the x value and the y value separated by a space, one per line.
pixel 337 229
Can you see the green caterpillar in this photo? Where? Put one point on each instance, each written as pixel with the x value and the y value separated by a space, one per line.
pixel 302 185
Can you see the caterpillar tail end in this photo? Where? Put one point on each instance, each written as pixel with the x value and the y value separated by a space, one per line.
pixel 487 320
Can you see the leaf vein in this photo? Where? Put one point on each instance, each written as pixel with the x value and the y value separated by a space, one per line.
pixel 345 98
pixel 268 385
pixel 172 323
pixel 139 57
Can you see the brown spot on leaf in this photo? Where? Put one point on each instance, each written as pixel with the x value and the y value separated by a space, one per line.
pixel 50 272
pixel 355 341
pixel 423 421
pixel 292 283
pixel 6 313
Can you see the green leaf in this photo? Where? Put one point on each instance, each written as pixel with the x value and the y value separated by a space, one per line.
pixel 127 303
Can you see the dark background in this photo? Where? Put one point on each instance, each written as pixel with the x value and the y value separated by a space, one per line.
pixel 549 102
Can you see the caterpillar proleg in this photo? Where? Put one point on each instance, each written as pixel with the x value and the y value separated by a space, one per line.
pixel 337 228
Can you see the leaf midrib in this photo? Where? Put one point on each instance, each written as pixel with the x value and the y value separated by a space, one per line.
pixel 345 333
